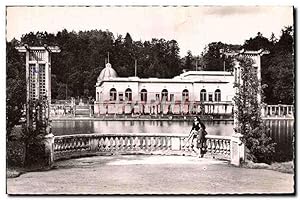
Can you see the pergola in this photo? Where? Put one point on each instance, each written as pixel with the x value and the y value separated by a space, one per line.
pixel 38 73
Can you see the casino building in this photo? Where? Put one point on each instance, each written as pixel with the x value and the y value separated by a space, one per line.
pixel 195 92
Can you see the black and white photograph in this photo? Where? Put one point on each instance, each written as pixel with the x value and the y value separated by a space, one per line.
pixel 150 100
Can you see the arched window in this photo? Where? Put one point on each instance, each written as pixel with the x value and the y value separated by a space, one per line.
pixel 128 94
pixel 164 95
pixel 185 95
pixel 97 97
pixel 218 95
pixel 113 94
pixel 144 95
pixel 203 95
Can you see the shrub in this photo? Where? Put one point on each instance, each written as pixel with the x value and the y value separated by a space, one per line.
pixel 259 146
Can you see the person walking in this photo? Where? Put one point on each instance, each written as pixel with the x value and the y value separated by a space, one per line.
pixel 198 133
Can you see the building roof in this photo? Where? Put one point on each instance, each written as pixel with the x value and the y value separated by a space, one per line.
pixel 107 73
pixel 197 74
pixel 187 77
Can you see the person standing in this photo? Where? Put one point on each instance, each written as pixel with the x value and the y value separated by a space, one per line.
pixel 198 133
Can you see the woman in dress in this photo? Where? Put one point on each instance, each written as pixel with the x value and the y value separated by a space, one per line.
pixel 198 132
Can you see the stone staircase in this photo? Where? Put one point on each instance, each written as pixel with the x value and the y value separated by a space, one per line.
pixel 82 111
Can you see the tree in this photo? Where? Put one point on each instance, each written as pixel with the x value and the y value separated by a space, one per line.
pixel 259 146
pixel 215 59
pixel 278 70
pixel 257 43
pixel 128 40
pixel 273 39
pixel 188 64
pixel 15 87
pixel 83 56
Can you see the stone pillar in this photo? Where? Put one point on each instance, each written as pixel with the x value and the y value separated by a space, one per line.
pixel 40 152
pixel 90 109
pixel 257 59
pixel 28 119
pixel 237 150
pixel 263 111
pixel 99 109
pixel 40 145
pixel 74 110
pixel 93 143
pixel 48 142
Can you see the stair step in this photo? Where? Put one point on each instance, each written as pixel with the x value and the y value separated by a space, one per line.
pixel 82 107
pixel 82 115
pixel 82 112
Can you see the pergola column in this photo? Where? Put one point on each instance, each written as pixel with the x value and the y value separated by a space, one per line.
pixel 38 68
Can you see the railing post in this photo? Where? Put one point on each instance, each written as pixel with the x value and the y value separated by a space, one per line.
pixel 175 143
pixel 48 142
pixel 93 143
pixel 90 108
pixel 263 111
pixel 237 151
pixel 74 111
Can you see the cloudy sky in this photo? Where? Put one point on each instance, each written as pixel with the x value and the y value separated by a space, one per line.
pixel 191 27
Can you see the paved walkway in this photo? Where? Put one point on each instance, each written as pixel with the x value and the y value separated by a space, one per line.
pixel 141 174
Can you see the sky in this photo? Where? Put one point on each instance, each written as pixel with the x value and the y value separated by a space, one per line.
pixel 192 27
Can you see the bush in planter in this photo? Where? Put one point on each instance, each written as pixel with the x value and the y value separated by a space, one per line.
pixel 36 155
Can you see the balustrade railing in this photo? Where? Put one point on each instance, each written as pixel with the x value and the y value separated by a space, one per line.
pixel 167 107
pixel 59 110
pixel 102 144
pixel 279 110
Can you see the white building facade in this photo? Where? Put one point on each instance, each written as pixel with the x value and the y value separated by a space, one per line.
pixel 206 92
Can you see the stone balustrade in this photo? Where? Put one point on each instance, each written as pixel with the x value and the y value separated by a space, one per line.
pixel 61 110
pixel 166 107
pixel 279 110
pixel 68 146
pixel 218 146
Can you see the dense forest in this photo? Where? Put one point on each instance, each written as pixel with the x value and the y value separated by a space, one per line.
pixel 277 67
pixel 83 54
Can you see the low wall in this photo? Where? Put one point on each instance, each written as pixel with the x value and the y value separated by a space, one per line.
pixel 69 146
